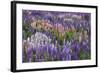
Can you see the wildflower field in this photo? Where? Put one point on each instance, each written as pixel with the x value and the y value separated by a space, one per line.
pixel 55 36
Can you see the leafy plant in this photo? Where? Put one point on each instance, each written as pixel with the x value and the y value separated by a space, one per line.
pixel 69 35
pixel 26 29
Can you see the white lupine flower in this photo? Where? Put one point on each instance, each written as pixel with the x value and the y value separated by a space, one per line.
pixel 37 40
pixel 32 38
pixel 28 39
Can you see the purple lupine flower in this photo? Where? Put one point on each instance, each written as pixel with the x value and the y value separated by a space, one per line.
pixel 66 49
pixel 74 56
pixel 68 57
pixel 85 46
pixel 29 54
pixel 75 46
pixel 66 53
pixel 53 49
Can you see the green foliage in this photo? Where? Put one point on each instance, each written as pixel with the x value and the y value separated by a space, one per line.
pixel 61 39
pixel 26 32
pixel 69 35
pixel 84 55
pixel 54 33
pixel 59 36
